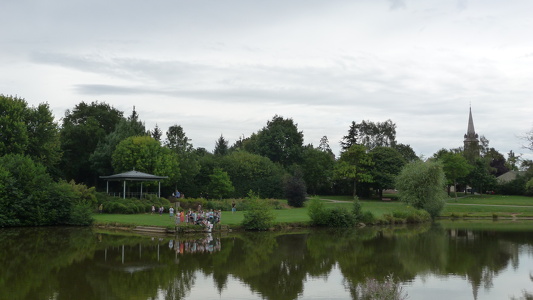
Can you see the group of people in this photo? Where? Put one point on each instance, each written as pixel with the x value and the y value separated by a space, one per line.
pixel 208 219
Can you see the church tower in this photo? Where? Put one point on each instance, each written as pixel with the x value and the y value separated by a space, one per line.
pixel 471 142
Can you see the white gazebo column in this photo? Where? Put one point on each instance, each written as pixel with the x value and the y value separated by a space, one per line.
pixel 124 195
pixel 141 191
pixel 159 190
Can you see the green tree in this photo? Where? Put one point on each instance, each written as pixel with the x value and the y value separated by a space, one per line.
pixel 258 215
pixel 480 177
pixel 317 167
pixel 370 134
pixel 220 184
pixel 253 172
pixel 280 141
pixel 354 164
pixel 102 156
pixel 455 166
pixel 29 131
pixel 295 190
pixel 145 154
pixel 188 158
pixel 221 146
pixel 156 133
pixel 422 185
pixel 388 163
pixel 407 152
pixel 83 128
pixel 29 196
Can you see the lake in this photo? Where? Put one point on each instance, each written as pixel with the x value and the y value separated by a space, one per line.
pixel 446 260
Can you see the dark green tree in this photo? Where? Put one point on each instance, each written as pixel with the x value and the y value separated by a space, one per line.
pixel 370 134
pixel 280 141
pixel 354 165
pixel 83 128
pixel 102 156
pixel 157 133
pixel 221 146
pixel 388 163
pixel 317 168
pixel 30 131
pixel 188 158
pixel 407 152
pixel 480 177
pixel 295 190
pixel 455 166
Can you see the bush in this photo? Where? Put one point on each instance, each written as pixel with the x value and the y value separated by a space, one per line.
pixel 259 215
pixel 341 217
pixel 295 190
pixel 335 217
pixel 81 214
pixel 317 212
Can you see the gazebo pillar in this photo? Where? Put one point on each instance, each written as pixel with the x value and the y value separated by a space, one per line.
pixel 124 194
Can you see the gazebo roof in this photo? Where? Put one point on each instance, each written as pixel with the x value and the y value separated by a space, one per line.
pixel 133 176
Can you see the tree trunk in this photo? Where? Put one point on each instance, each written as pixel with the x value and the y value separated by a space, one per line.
pixel 354 188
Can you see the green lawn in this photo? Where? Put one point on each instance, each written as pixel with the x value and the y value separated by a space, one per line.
pixel 485 206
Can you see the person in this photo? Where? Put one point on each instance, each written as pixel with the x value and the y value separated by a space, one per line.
pixel 177 194
pixel 182 216
pixel 171 211
pixel 100 208
pixel 233 207
pixel 153 209
pixel 178 217
pixel 161 209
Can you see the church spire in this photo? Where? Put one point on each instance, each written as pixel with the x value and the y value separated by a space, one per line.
pixel 471 141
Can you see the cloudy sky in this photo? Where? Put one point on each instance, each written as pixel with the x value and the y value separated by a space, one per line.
pixel 227 67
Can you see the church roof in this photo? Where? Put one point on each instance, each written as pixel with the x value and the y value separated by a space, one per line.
pixel 471 132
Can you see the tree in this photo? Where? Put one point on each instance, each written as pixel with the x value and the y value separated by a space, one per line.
pixel 221 146
pixel 354 164
pixel 370 134
pixel 497 163
pixel 83 128
pixel 455 166
pixel 220 185
pixel 178 142
pixel 324 146
pixel 512 161
pixel 480 177
pixel 388 163
pixel 258 215
pixel 528 138
pixel 407 152
pixel 29 196
pixel 101 158
pixel 145 154
pixel 29 131
pixel 317 168
pixel 295 190
pixel 157 133
pixel 421 184
pixel 280 141
pixel 253 172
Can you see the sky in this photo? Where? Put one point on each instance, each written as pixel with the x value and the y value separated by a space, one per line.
pixel 226 67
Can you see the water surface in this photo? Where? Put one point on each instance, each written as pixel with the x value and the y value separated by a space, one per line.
pixel 449 260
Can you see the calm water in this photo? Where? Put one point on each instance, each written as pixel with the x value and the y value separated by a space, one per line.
pixel 446 261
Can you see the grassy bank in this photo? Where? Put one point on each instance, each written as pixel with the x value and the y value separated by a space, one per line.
pixel 487 206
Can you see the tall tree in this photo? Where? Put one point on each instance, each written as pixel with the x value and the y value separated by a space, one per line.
pixel 188 158
pixel 324 146
pixel 280 141
pixel 480 177
pixel 354 164
pixel 157 133
pixel 83 128
pixel 370 134
pixel 221 146
pixel 102 156
pixel 513 161
pixel 30 131
pixel 407 152
pixel 388 163
pixel 317 167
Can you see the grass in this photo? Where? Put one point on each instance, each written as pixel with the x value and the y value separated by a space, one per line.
pixel 470 206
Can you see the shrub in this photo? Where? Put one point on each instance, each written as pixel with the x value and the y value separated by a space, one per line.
pixel 372 289
pixel 81 215
pixel 341 217
pixel 317 212
pixel 259 215
pixel 295 190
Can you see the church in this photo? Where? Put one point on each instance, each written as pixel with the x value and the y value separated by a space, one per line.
pixel 471 141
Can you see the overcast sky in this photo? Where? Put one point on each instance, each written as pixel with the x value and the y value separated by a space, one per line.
pixel 227 67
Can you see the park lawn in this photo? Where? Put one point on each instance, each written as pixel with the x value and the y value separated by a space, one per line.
pixel 495 200
pixel 134 219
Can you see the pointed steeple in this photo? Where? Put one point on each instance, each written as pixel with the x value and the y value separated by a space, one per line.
pixel 471 141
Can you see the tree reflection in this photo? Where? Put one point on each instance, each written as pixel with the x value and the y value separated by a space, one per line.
pixel 66 263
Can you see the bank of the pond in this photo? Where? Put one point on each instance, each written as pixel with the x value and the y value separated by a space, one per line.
pixel 478 207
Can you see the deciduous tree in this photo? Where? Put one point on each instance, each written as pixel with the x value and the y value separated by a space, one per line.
pixel 354 164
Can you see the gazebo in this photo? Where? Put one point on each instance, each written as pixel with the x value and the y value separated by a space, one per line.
pixel 134 176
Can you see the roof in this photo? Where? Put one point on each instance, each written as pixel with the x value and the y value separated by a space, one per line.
pixel 134 176
pixel 508 176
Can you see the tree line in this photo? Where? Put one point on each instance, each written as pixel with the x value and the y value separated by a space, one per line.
pixel 94 139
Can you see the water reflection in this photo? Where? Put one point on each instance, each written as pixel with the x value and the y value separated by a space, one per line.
pixel 66 263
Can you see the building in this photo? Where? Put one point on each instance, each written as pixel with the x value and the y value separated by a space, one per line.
pixel 471 141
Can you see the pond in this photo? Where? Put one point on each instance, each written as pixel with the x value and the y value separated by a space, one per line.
pixel 447 260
